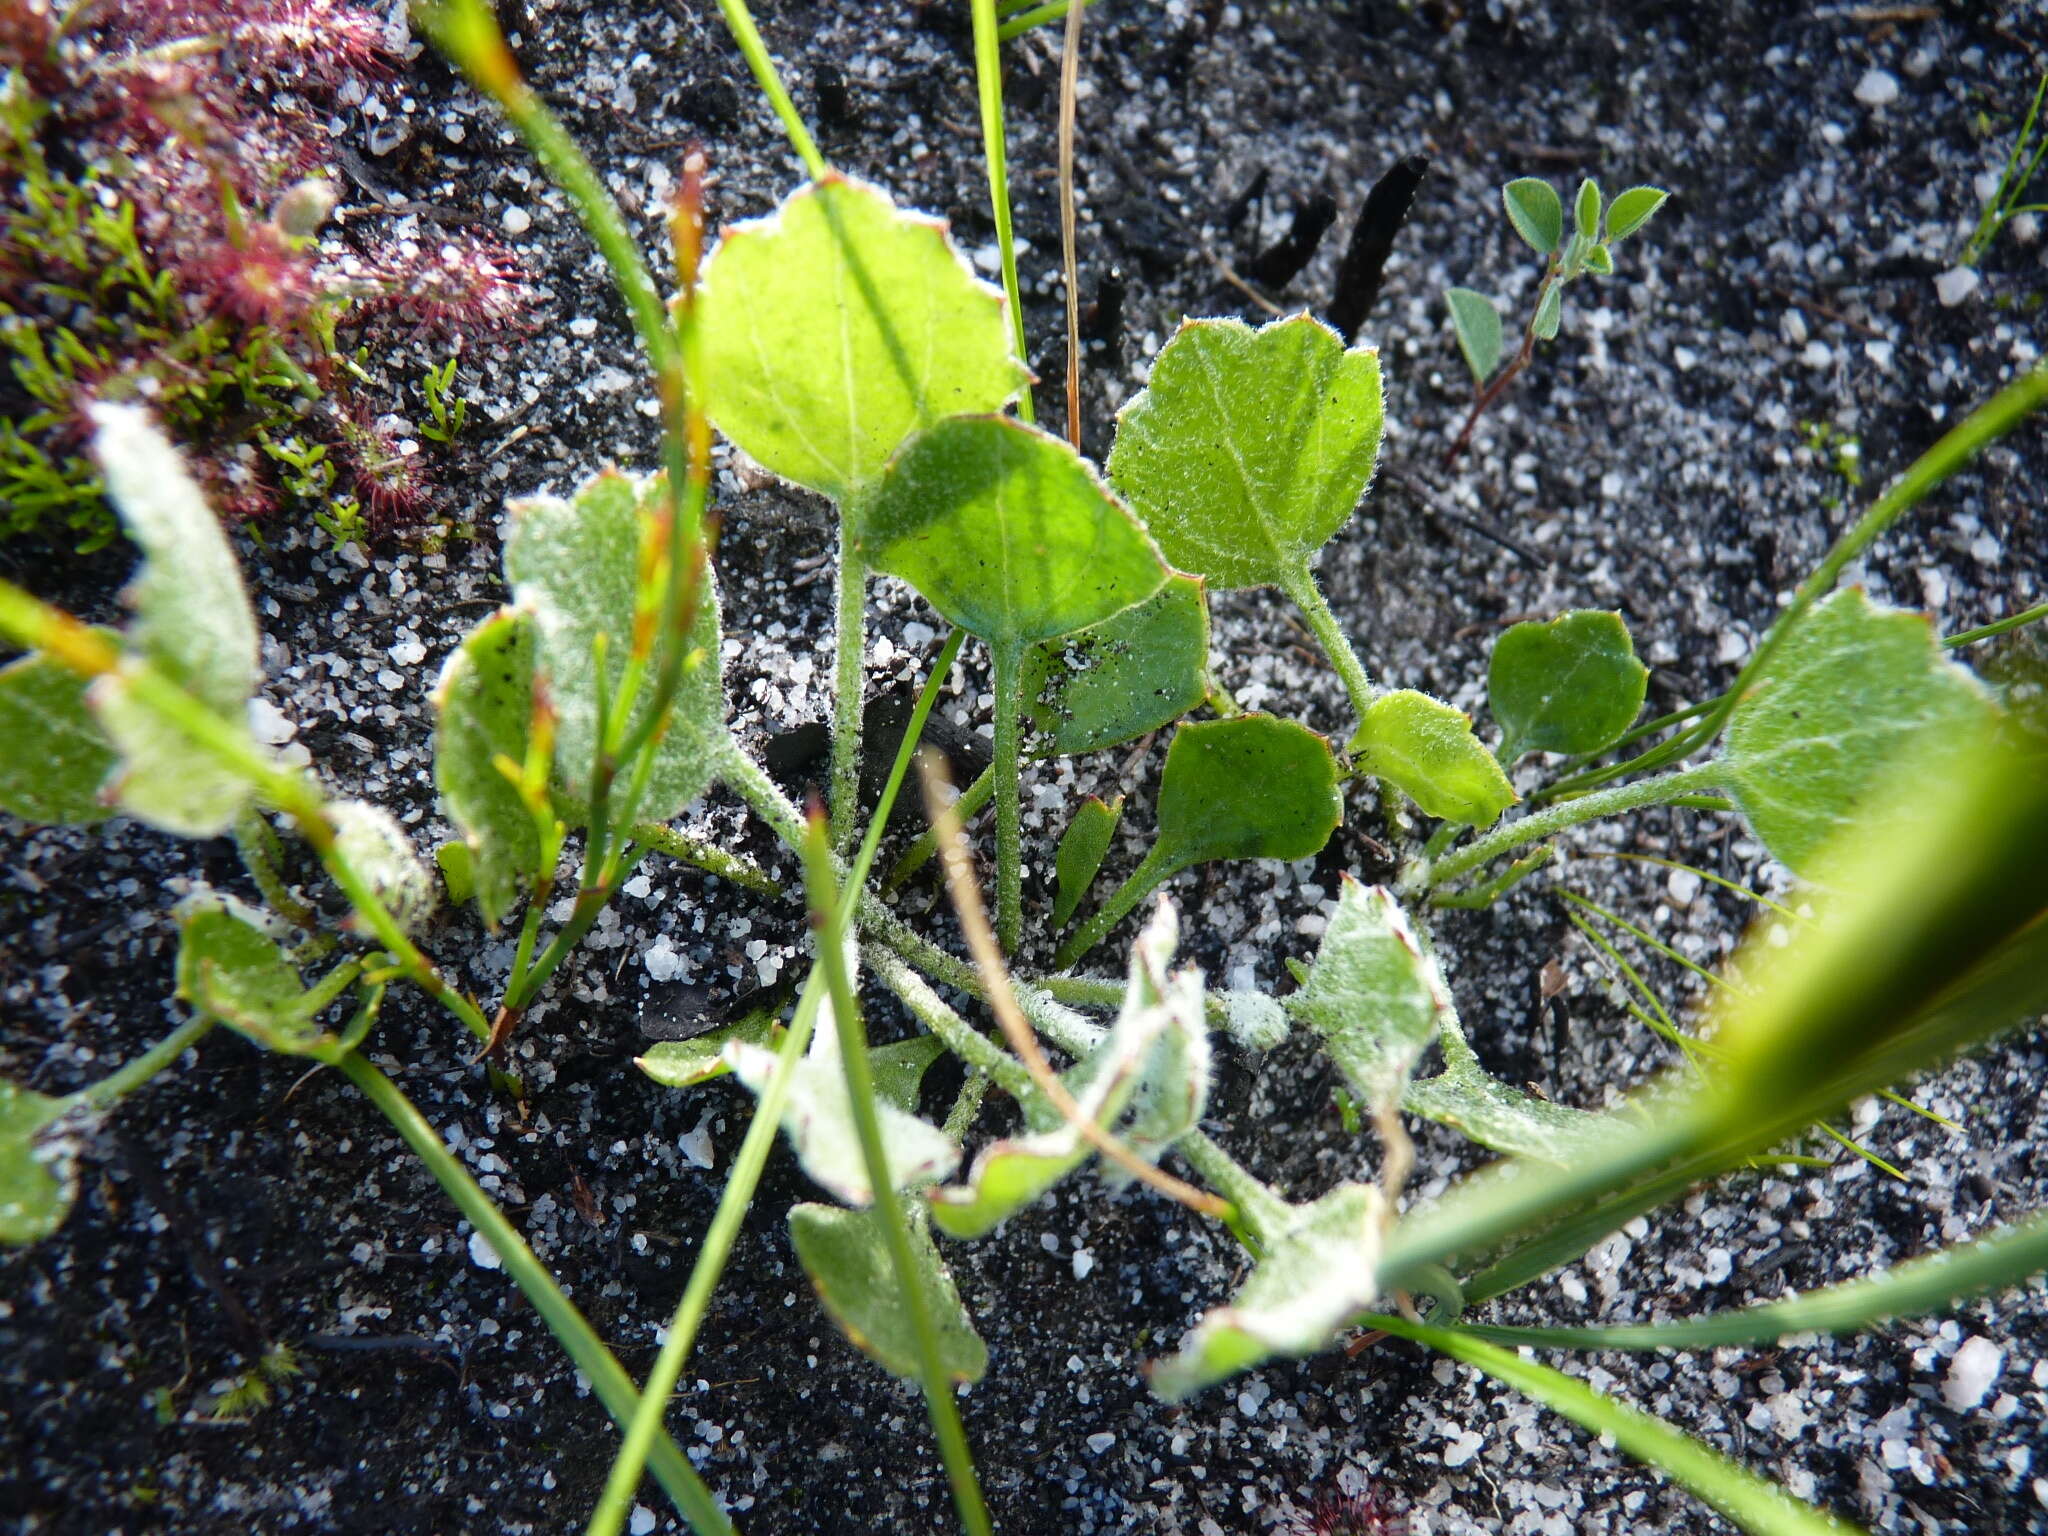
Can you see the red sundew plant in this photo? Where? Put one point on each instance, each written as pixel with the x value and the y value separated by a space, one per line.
pixel 165 189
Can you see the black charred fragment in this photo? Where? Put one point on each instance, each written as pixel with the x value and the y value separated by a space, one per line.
pixel 1372 241
pixel 1279 265
pixel 835 101
pixel 1103 320
pixel 800 759
pixel 1233 212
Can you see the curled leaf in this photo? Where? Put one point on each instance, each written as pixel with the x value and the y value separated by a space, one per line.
pixel 1426 748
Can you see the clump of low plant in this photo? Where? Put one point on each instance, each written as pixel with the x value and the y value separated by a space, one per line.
pixel 591 709
pixel 1584 248
pixel 161 240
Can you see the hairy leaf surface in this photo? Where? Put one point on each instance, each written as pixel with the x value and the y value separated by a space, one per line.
pixel 846 1254
pixel 59 780
pixel 1571 685
pixel 483 710
pixel 1113 682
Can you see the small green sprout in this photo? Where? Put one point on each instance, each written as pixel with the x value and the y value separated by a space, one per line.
pixel 2021 164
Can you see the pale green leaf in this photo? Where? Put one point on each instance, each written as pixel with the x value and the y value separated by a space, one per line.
pixel 1083 846
pixel 1375 998
pixel 1136 672
pixel 162 778
pixel 1173 1082
pixel 1571 685
pixel 1586 210
pixel 1254 1020
pixel 1477 325
pixel 377 847
pixel 1426 748
pixel 686 1063
pixel 1316 1276
pixel 232 967
pixel 1549 313
pixel 1007 531
pixel 37 1183
pixel 1482 1108
pixel 1631 210
pixel 846 1254
pixel 836 327
pixel 821 1128
pixel 1534 210
pixel 193 618
pixel 43 702
pixel 483 708
pixel 573 566
pixel 1854 692
pixel 1248 449
pixel 1600 259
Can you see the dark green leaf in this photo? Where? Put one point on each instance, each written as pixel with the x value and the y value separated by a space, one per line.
pixel 1252 787
pixel 846 1254
pixel 1425 747
pixel 1007 532
pixel 43 702
pixel 1082 849
pixel 836 327
pixel 1249 449
pixel 1853 694
pixel 484 707
pixel 899 1069
pixel 1534 210
pixel 1631 210
pixel 1571 685
pixel 1477 325
pixel 1118 680
pixel 574 568
pixel 36 1187
pixel 1373 995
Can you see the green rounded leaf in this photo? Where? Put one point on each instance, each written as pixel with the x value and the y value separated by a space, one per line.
pixel 1571 685
pixel 1426 748
pixel 483 708
pixel 1113 682
pixel 1534 210
pixel 1586 210
pixel 836 327
pixel 36 1188
pixel 846 1254
pixel 1007 532
pixel 1252 787
pixel 43 701
pixel 1477 325
pixel 1249 449
pixel 1631 210
pixel 232 967
pixel 1854 692
pixel 574 568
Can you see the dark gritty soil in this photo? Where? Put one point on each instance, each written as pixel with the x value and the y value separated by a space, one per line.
pixel 1656 460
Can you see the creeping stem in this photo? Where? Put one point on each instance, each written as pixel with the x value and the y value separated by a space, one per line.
pixel 1608 802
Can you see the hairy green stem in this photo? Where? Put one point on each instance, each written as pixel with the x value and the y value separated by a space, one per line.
pixel 1608 802
pixel 607 1378
pixel 940 1403
pixel 740 22
pixel 849 683
pixel 1008 767
pixel 981 1054
pixel 709 857
pixel 988 76
pixel 1308 597
pixel 128 1077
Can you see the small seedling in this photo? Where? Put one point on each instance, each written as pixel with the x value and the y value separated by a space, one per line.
pixel 1584 248
pixel 2014 182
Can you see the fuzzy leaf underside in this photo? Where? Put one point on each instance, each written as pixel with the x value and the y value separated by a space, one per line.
pixel 162 779
pixel 820 1125
pixel 1426 748
pixel 833 329
pixel 1011 1173
pixel 573 567
pixel 1251 787
pixel 1313 1280
pixel 37 1187
pixel 1855 693
pixel 1135 672
pixel 1083 846
pixel 1571 685
pixel 1482 1108
pixel 1248 450
pixel 483 710
pixel 846 1255
pixel 58 781
pixel 1007 531
pixel 1373 995
pixel 232 968
pixel 377 846
pixel 686 1063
